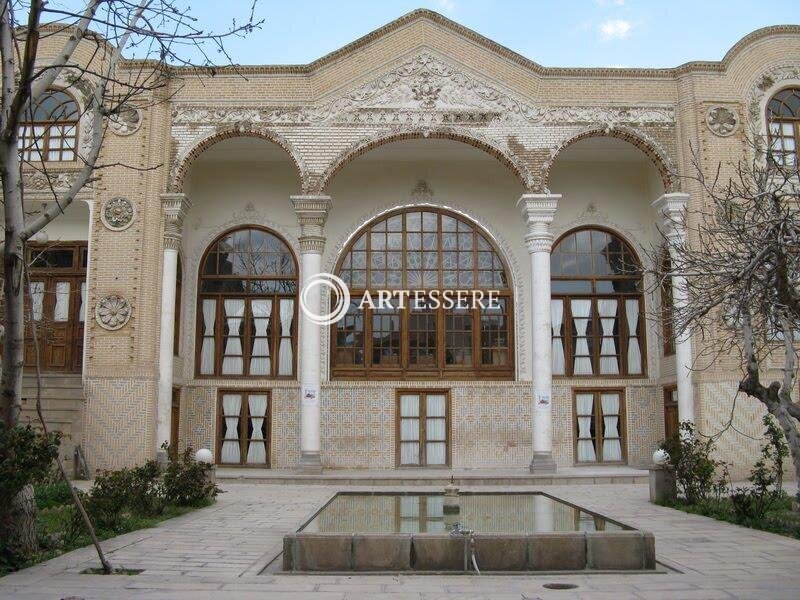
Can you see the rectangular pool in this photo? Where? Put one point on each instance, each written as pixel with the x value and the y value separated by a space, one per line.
pixel 422 532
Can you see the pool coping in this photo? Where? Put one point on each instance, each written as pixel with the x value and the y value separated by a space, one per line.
pixel 628 550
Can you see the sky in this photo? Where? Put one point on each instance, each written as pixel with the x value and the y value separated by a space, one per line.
pixel 562 33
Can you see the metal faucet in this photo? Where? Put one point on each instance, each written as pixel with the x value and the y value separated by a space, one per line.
pixel 458 530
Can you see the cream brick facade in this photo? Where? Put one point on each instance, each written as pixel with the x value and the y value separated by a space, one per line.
pixel 421 77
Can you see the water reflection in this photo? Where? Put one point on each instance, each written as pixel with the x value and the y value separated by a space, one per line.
pixel 423 513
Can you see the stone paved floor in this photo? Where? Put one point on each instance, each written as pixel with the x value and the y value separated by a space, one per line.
pixel 217 552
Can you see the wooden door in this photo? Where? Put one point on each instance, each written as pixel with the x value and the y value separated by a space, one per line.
pixel 58 296
pixel 671 421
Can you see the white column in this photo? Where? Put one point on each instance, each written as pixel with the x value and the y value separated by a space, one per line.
pixel 174 207
pixel 312 212
pixel 539 210
pixel 672 210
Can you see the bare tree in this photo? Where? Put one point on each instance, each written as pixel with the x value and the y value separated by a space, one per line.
pixel 88 61
pixel 741 262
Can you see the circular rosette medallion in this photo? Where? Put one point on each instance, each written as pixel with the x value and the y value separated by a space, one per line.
pixel 117 213
pixel 113 312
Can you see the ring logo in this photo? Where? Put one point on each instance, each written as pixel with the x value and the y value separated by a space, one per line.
pixel 339 292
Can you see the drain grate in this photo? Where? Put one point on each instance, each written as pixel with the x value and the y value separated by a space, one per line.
pixel 559 586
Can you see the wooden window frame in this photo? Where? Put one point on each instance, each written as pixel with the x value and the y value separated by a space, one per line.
pixel 668 390
pixel 247 297
pixel 623 424
pixel 423 393
pixel 29 144
pixel 667 314
pixel 440 370
pixel 244 415
pixel 594 327
pixel 794 121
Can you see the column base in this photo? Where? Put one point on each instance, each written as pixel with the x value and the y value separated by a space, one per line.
pixel 542 462
pixel 310 463
pixel 162 459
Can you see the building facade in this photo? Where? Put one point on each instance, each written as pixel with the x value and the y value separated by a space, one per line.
pixel 421 157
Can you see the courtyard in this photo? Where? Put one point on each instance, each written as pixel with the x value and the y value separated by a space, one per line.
pixel 219 551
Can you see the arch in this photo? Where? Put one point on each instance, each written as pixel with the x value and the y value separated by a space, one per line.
pixel 782 118
pixel 597 305
pixel 246 315
pixel 629 246
pixel 650 147
pixel 49 129
pixel 419 252
pixel 481 223
pixel 184 162
pixel 491 147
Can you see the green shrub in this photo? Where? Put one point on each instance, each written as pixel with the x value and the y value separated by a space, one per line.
pixel 137 490
pixel 25 457
pixel 690 459
pixel 754 501
pixel 186 481
pixel 52 494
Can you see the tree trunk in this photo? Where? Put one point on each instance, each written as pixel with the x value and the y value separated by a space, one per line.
pixel 19 525
pixel 13 251
pixel 790 432
pixel 22 533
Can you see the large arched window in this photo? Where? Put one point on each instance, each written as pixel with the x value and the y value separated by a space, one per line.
pixel 596 306
pixel 425 252
pixel 49 130
pixel 783 118
pixel 247 314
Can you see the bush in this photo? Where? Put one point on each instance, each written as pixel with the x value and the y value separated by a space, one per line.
pixel 690 459
pixel 25 457
pixel 753 502
pixel 186 481
pixel 137 490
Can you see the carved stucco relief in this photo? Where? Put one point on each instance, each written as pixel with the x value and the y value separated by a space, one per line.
pixel 421 94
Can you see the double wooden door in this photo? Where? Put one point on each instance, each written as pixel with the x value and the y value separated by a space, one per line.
pixel 57 303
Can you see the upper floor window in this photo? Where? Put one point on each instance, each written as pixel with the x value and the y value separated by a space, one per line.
pixel 247 311
pixel 783 118
pixel 427 251
pixel 596 307
pixel 50 130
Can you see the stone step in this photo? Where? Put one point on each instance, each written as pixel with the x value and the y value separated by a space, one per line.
pixel 53 393
pixel 402 479
pixel 53 380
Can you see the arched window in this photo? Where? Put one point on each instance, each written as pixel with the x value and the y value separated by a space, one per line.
pixel 49 130
pixel 783 118
pixel 247 314
pixel 596 306
pixel 425 253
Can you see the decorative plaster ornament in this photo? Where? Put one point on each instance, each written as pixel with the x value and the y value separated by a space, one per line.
pixel 127 122
pixel 722 121
pixel 113 312
pixel 117 213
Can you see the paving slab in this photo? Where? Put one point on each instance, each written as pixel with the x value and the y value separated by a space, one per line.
pixel 216 552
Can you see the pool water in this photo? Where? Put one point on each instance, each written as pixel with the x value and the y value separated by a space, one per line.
pixel 481 512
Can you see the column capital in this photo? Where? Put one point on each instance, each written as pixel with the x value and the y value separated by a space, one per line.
pixel 174 206
pixel 312 213
pixel 671 208
pixel 539 210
